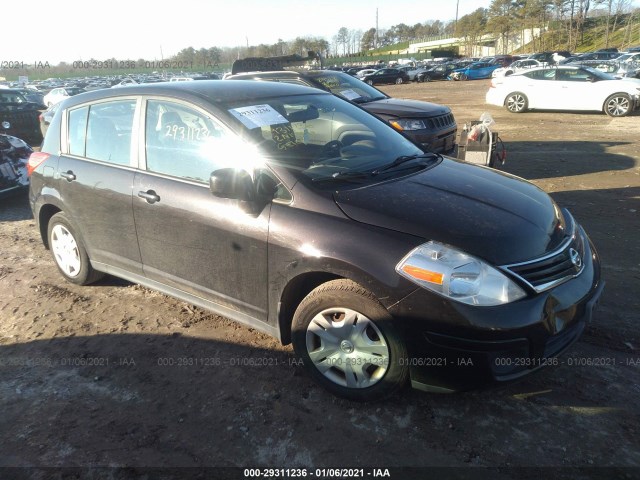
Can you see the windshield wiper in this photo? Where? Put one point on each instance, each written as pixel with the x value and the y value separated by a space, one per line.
pixel 406 158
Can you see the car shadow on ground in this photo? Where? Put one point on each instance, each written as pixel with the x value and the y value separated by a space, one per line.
pixel 15 208
pixel 172 400
pixel 538 160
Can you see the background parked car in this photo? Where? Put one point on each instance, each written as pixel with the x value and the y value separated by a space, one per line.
pixel 439 72
pixel 517 66
pixel 475 71
pixel 14 155
pixel 19 117
pixel 565 88
pixel 432 126
pixel 366 71
pixel 386 75
pixel 59 94
pixel 412 72
pixel 32 96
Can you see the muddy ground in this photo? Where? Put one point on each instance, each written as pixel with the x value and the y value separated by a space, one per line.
pixel 115 375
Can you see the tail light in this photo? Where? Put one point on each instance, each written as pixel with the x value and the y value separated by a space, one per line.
pixel 35 160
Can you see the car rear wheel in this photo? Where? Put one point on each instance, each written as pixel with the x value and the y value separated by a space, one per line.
pixel 348 342
pixel 516 102
pixel 69 253
pixel 618 105
pixel 370 82
pixel 399 80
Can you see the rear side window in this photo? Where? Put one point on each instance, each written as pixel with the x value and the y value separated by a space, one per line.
pixel 109 131
pixel 102 131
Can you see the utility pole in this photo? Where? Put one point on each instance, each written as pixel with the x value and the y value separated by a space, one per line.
pixel 455 25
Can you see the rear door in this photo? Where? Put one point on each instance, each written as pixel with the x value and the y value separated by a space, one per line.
pixel 95 177
pixel 189 239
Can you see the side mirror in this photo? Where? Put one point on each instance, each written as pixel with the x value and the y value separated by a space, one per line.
pixel 232 183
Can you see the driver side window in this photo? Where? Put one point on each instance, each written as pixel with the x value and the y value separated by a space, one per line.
pixel 182 142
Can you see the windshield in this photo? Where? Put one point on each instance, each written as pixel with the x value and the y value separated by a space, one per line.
pixel 321 137
pixel 349 87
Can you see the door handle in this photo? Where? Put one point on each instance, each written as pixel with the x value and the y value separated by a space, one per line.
pixel 69 176
pixel 150 196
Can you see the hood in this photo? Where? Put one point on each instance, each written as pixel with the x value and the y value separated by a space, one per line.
pixel 495 216
pixel 397 107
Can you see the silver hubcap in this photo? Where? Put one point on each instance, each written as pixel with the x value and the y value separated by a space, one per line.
pixel 515 103
pixel 347 348
pixel 65 250
pixel 618 106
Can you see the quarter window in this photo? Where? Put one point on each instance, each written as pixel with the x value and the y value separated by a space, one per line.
pixel 78 130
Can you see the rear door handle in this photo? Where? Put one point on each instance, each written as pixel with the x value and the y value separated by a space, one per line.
pixel 69 176
pixel 150 196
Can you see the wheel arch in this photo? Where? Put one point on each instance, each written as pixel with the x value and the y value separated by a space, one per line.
pixel 44 216
pixel 294 292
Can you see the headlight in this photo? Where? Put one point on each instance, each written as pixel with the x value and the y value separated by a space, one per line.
pixel 458 276
pixel 407 124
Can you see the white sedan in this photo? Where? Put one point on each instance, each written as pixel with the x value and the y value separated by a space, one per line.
pixel 565 88
pixel 517 66
pixel 59 94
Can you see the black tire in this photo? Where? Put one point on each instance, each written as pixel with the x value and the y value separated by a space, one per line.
pixel 370 82
pixel 399 80
pixel 427 78
pixel 516 102
pixel 463 77
pixel 331 305
pixel 618 105
pixel 60 231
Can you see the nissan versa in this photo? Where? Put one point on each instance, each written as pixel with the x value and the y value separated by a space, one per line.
pixel 298 213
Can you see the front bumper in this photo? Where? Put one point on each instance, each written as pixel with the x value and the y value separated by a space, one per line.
pixel 460 347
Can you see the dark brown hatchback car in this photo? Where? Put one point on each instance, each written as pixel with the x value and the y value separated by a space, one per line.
pixel 298 213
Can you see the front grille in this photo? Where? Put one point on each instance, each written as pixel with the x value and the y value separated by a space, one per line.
pixel 553 269
pixel 441 121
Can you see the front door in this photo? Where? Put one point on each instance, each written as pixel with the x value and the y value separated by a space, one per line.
pixel 189 239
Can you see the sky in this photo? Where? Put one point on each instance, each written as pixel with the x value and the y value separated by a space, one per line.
pixel 130 29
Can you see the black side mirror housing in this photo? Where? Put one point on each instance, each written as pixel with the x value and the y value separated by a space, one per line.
pixel 232 183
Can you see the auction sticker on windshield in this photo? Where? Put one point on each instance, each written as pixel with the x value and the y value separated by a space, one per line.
pixel 258 116
pixel 349 94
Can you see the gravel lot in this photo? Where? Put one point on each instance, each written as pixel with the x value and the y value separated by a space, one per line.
pixel 115 375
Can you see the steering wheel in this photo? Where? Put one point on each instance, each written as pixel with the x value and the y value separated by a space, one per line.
pixel 332 149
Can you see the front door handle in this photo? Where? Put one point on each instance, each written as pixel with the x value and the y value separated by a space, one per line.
pixel 150 196
pixel 69 176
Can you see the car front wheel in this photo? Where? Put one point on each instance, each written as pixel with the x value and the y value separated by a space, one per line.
pixel 516 102
pixel 618 105
pixel 399 80
pixel 370 82
pixel 69 253
pixel 348 342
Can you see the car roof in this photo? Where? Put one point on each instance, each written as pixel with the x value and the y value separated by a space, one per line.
pixel 213 91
